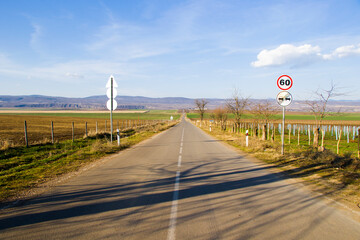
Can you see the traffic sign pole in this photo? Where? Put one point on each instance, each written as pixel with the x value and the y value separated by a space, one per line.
pixel 112 105
pixel 283 133
pixel 284 98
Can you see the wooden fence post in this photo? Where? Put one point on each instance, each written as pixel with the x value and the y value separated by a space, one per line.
pixel 52 132
pixel 264 132
pixel 86 131
pixel 322 140
pixel 105 125
pixel 26 136
pixel 73 132
pixel 338 143
pixel 359 143
pixel 289 134
pixel 96 127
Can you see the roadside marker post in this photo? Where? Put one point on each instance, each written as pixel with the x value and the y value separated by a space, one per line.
pixel 118 137
pixel 111 103
pixel 284 99
pixel 247 138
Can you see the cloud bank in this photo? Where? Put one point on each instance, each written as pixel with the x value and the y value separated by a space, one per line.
pixel 288 54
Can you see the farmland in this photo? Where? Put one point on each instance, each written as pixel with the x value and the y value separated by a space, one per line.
pixel 296 117
pixel 39 124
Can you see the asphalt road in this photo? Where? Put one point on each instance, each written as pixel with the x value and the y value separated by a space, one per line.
pixel 181 184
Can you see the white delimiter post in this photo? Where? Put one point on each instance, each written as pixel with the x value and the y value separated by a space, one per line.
pixel 247 138
pixel 283 132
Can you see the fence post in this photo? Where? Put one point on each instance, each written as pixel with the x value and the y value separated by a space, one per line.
pixel 338 143
pixel 322 140
pixel 86 132
pixel 105 125
pixel 73 132
pixel 264 132
pixel 289 133
pixel 52 132
pixel 26 137
pixel 358 142
pixel 96 127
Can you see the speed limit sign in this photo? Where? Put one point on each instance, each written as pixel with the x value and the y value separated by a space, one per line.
pixel 284 82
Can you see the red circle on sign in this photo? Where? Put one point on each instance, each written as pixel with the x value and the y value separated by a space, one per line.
pixel 288 86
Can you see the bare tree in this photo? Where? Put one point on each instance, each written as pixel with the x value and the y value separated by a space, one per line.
pixel 263 112
pixel 201 107
pixel 237 106
pixel 220 114
pixel 319 108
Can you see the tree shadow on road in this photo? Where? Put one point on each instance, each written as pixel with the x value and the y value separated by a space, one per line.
pixel 228 184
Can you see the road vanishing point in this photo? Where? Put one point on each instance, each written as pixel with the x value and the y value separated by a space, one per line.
pixel 180 184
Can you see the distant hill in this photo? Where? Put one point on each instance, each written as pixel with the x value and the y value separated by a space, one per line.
pixel 139 102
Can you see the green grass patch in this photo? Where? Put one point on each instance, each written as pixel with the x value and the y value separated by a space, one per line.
pixel 290 116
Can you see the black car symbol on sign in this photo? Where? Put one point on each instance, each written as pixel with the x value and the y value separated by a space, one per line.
pixel 288 99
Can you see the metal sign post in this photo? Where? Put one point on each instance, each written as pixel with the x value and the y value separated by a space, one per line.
pixel 283 133
pixel 284 98
pixel 111 103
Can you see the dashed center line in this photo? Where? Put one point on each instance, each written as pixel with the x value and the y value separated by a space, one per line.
pixel 174 206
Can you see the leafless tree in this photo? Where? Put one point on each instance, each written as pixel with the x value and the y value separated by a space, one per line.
pixel 221 115
pixel 201 107
pixel 237 105
pixel 264 111
pixel 319 107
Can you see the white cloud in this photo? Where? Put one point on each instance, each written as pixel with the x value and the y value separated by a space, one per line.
pixel 343 51
pixel 285 54
pixel 304 54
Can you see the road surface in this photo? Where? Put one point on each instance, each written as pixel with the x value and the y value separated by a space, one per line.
pixel 181 184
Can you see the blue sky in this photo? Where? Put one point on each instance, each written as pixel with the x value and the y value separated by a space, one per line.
pixel 197 48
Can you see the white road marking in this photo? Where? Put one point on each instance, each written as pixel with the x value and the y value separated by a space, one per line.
pixel 173 215
pixel 174 206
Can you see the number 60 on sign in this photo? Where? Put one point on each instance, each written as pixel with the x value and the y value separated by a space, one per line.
pixel 284 82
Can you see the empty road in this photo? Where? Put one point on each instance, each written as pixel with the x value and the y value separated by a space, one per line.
pixel 181 184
